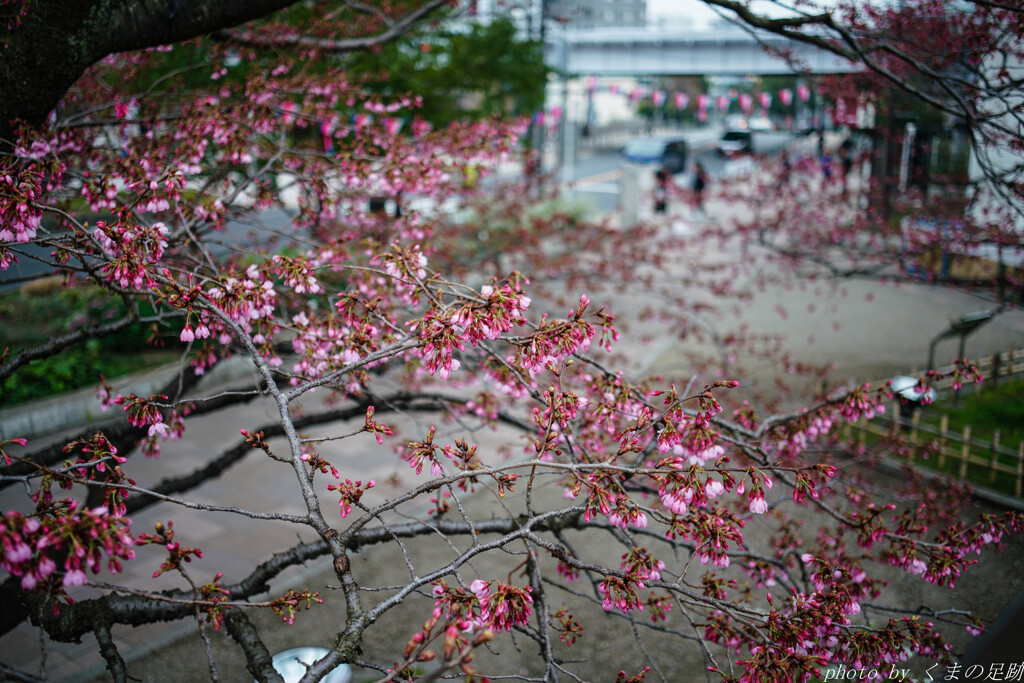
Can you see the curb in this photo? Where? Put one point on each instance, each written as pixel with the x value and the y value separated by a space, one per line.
pixel 81 408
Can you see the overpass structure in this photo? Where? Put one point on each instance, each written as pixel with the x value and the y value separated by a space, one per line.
pixel 665 51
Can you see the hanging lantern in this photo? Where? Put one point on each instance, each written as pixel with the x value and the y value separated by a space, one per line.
pixel 723 102
pixel 327 133
pixel 681 100
pixel 803 92
pixel 288 118
pixel 765 99
pixel 591 84
pixel 746 102
pixel 786 96
pixel 658 98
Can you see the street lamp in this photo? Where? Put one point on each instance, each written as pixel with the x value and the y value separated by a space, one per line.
pixel 962 327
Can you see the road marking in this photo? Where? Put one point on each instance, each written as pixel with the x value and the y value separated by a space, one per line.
pixel 600 188
pixel 597 178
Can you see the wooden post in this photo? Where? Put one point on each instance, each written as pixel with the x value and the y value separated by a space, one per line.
pixel 997 358
pixel 943 429
pixel 994 462
pixel 965 452
pixel 915 421
pixel 1020 468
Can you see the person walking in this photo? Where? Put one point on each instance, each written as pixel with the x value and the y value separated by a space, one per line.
pixel 846 164
pixel 787 168
pixel 662 178
pixel 700 181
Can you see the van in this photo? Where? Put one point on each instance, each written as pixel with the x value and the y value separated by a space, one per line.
pixel 667 152
pixel 736 142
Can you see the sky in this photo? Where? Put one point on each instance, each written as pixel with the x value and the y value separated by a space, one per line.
pixel 669 10
pixel 695 11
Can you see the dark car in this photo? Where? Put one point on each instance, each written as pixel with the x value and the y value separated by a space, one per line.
pixel 736 142
pixel 669 153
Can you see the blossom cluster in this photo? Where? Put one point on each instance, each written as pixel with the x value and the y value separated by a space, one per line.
pixel 78 538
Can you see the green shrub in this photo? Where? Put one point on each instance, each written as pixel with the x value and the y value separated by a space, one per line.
pixel 46 310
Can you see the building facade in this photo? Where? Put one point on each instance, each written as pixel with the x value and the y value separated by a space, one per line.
pixel 598 13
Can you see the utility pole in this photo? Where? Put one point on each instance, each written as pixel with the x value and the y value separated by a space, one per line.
pixel 537 137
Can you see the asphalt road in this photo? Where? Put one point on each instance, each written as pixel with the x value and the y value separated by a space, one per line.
pixel 596 176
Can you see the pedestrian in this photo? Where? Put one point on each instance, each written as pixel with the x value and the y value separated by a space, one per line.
pixel 700 181
pixel 787 167
pixel 662 178
pixel 846 164
pixel 531 168
pixel 826 165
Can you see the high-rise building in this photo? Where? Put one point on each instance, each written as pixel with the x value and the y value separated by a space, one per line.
pixel 598 13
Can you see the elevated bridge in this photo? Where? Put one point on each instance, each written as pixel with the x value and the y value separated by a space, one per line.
pixel 666 51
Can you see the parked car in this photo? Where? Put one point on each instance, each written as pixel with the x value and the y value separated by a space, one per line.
pixel 735 142
pixel 667 152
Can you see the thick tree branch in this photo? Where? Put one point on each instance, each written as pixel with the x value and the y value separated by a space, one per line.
pixel 78 34
pixel 257 657
pixel 75 621
pixel 115 663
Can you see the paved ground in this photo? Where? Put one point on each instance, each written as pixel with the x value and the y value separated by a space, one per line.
pixel 874 339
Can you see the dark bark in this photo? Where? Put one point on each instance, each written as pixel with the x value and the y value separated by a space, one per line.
pixel 75 621
pixel 56 42
pixel 219 465
pixel 76 35
pixel 257 658
pixel 115 663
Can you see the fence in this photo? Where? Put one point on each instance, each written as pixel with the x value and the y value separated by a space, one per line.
pixel 983 462
pixel 995 368
pixel 968 458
